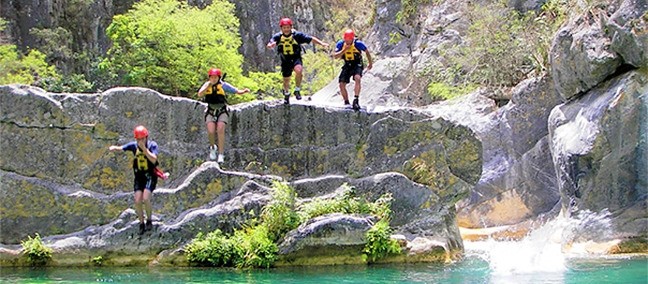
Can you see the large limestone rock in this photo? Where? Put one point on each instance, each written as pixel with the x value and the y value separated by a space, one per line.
pixel 518 181
pixel 118 241
pixel 595 46
pixel 598 144
pixel 50 192
pixel 326 240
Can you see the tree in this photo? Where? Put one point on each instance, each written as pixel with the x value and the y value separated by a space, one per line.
pixel 168 46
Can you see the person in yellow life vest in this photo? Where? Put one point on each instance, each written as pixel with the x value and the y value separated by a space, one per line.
pixel 216 115
pixel 144 163
pixel 288 43
pixel 349 49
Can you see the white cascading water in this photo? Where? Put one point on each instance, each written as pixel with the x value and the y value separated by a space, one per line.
pixel 544 251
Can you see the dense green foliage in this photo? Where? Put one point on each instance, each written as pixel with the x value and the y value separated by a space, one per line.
pixel 379 244
pixel 169 46
pixel 254 245
pixel 497 36
pixel 345 202
pixel 34 68
pixel 321 68
pixel 279 214
pixel 23 69
pixel 247 247
pixel 36 252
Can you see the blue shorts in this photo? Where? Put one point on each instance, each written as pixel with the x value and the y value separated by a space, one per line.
pixel 145 180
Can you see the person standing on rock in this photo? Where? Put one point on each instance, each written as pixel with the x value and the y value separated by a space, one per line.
pixel 349 49
pixel 288 43
pixel 144 164
pixel 216 115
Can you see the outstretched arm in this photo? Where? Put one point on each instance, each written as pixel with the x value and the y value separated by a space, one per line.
pixel 114 148
pixel 243 91
pixel 318 41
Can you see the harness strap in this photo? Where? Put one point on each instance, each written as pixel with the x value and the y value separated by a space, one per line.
pixel 216 112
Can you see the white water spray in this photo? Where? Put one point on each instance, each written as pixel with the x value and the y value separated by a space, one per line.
pixel 545 250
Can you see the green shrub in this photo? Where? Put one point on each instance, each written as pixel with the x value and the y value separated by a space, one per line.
pixel 36 252
pixel 266 85
pixel 319 69
pixel 97 260
pixel 253 248
pixel 347 202
pixel 213 249
pixel 502 47
pixel 279 214
pixel 169 45
pixel 255 244
pixel 379 244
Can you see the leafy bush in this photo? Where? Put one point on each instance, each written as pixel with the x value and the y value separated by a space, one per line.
pixel 379 244
pixel 169 46
pixel 255 244
pixel 319 69
pixel 498 36
pixel 253 247
pixel 266 85
pixel 279 215
pixel 15 68
pixel 347 202
pixel 37 253
pixel 213 249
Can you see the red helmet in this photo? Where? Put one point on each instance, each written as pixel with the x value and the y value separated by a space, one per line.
pixel 140 132
pixel 349 34
pixel 285 21
pixel 215 72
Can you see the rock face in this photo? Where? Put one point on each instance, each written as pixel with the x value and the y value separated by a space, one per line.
pixel 75 174
pixel 518 181
pixel 594 46
pixel 571 141
pixel 600 152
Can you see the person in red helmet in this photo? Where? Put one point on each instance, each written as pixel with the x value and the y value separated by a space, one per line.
pixel 144 164
pixel 216 115
pixel 288 43
pixel 350 49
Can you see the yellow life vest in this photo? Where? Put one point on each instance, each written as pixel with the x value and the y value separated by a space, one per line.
pixel 215 94
pixel 288 45
pixel 352 54
pixel 141 162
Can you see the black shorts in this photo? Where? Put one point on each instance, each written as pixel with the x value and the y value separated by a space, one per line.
pixel 288 64
pixel 145 180
pixel 350 70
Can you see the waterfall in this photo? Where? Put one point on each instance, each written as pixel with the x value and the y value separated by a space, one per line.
pixel 545 251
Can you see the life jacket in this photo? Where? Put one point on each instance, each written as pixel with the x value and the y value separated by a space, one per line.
pixel 352 55
pixel 141 163
pixel 288 46
pixel 215 94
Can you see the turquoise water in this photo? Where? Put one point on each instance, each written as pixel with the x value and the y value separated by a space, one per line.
pixel 470 270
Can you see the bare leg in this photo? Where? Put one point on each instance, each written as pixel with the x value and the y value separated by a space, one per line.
pixel 138 206
pixel 220 129
pixel 211 132
pixel 286 84
pixel 343 91
pixel 298 75
pixel 358 86
pixel 147 203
